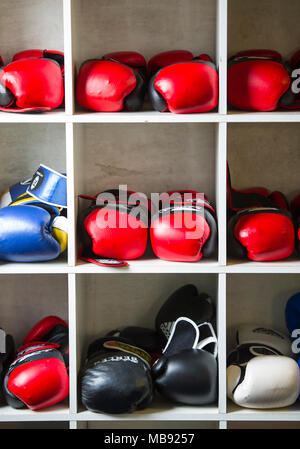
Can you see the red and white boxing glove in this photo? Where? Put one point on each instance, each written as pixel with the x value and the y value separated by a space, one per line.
pixel 32 84
pixel 185 228
pixel 51 329
pixel 113 83
pixel 257 80
pixel 183 84
pixel 260 227
pixel 114 228
pixel 37 378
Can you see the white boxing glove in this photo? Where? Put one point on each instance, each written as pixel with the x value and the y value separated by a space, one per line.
pixel 253 340
pixel 268 381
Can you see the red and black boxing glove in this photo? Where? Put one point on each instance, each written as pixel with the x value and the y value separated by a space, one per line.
pixel 37 378
pixel 184 228
pixel 114 83
pixel 260 226
pixel 51 329
pixel 114 227
pixel 183 84
pixel 257 80
pixel 31 84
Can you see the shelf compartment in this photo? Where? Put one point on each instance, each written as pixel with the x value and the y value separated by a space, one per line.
pixel 109 302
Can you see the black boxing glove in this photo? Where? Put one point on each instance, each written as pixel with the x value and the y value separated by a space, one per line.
pixel 185 301
pixel 187 373
pixel 116 377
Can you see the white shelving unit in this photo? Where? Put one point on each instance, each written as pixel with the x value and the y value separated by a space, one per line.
pixel 150 152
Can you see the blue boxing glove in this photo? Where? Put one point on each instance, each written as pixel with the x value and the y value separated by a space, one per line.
pixel 292 317
pixel 31 233
pixel 33 223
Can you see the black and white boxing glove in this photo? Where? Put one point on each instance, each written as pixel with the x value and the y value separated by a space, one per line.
pixel 116 377
pixel 187 372
pixel 261 373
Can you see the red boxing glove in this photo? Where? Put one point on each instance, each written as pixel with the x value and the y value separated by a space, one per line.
pixel 257 80
pixel 260 226
pixel 184 230
pixel 57 56
pixel 108 85
pixel 37 378
pixel 51 329
pixel 186 87
pixel 114 227
pixel 261 234
pixel 31 85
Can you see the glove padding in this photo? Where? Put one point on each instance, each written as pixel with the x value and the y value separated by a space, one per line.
pixel 186 87
pixel 184 229
pixel 32 84
pixel 269 381
pixel 116 377
pixel 187 373
pixel 115 228
pixel 108 85
pixel 37 378
pixel 257 80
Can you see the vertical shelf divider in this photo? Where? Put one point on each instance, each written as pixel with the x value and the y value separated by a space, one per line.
pixel 221 53
pixel 221 325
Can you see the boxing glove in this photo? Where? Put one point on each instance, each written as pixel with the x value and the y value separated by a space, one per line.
pixel 116 377
pixel 185 301
pixel 37 378
pixel 34 227
pixel 107 85
pixel 51 329
pixel 269 381
pixel 114 226
pixel 185 87
pixel 32 84
pixel 184 228
pixel 261 372
pixel 187 373
pixel 57 56
pixel 257 80
pixel 260 227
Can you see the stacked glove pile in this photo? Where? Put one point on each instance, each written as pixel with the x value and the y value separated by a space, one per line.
pixel 178 359
pixel 259 80
pixel 36 375
pixel 261 226
pixel 115 226
pixel 33 222
pixel 33 81
pixel 176 80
